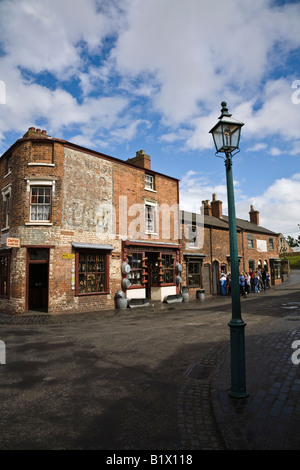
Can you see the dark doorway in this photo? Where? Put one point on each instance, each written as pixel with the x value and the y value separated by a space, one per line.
pixel 152 264
pixel 38 273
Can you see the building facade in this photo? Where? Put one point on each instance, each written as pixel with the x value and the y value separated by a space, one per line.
pixel 77 226
pixel 206 250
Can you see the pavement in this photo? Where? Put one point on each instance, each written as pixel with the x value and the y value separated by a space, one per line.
pixel 208 417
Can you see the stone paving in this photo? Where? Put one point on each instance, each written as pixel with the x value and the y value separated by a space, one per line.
pixel 208 418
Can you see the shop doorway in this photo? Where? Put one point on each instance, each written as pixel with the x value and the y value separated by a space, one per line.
pixel 37 282
pixel 152 264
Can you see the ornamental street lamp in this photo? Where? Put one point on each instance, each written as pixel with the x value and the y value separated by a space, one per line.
pixel 226 134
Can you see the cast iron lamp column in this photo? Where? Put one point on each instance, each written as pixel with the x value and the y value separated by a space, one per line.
pixel 226 135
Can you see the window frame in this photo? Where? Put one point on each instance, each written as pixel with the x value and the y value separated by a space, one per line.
pixel 38 204
pixel 167 269
pixel 151 184
pixel 250 241
pixel 190 275
pixel 90 252
pixel 40 183
pixel 271 244
pixel 6 196
pixel 134 269
pixel 5 277
pixel 153 205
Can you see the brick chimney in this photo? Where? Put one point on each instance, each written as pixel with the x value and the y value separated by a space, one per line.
pixel 141 160
pixel 254 216
pixel 216 207
pixel 33 132
pixel 206 208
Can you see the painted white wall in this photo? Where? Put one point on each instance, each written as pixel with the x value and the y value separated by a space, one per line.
pixel 136 294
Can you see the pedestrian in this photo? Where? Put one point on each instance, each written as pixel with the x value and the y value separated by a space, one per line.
pixel 223 283
pixel 242 283
pixel 268 280
pixel 228 283
pixel 264 279
pixel 248 283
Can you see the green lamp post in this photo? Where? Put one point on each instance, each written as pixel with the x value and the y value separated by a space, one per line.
pixel 226 135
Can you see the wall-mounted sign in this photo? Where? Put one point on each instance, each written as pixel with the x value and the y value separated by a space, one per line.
pixel 115 256
pixel 262 246
pixel 68 255
pixel 13 242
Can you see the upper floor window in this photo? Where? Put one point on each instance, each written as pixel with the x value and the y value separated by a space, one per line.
pixel 40 203
pixel 150 217
pixel 271 243
pixel 6 195
pixel 8 165
pixel 192 235
pixel 250 243
pixel 149 182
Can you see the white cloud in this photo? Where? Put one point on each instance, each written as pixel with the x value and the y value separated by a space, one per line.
pixel 279 205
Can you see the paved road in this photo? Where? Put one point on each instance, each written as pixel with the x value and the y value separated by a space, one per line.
pixel 136 379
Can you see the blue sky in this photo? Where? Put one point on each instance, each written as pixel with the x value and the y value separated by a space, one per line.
pixel 120 76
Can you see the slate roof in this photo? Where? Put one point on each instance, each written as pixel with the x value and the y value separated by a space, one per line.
pixel 210 221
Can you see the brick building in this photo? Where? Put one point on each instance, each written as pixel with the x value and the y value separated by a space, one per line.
pixel 206 250
pixel 77 226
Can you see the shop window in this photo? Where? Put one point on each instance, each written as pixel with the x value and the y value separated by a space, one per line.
pixel 149 182
pixel 91 273
pixel 271 243
pixel 167 269
pixel 194 273
pixel 40 203
pixel 276 270
pixel 4 275
pixel 250 242
pixel 135 261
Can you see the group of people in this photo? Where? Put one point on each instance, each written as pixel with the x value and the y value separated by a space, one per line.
pixel 252 281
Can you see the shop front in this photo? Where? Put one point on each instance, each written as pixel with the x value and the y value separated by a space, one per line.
pixel 150 270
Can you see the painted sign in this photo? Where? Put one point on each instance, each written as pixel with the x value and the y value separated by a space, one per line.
pixel 14 242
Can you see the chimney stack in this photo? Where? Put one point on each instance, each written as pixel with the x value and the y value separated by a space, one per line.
pixel 33 132
pixel 216 207
pixel 206 207
pixel 254 216
pixel 141 160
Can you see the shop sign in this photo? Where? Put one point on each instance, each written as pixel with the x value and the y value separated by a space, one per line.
pixel 13 242
pixel 68 255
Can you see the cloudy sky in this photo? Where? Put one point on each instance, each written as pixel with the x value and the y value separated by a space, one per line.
pixel 120 76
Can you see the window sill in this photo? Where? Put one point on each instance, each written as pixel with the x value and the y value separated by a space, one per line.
pixel 40 164
pixel 7 174
pixel 151 190
pixel 4 229
pixel 84 294
pixel 39 223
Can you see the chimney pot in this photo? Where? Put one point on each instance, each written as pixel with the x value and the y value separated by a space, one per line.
pixel 216 207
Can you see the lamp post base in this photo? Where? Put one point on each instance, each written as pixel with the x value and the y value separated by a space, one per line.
pixel 238 369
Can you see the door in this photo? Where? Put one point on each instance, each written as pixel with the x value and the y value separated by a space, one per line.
pixel 38 274
pixel 152 264
pixel 215 276
pixel 207 287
